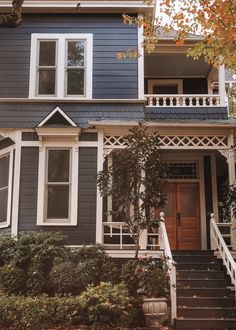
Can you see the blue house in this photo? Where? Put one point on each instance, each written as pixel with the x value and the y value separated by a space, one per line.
pixel 65 103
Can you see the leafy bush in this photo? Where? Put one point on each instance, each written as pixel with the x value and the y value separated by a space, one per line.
pixel 146 276
pixel 88 266
pixel 102 305
pixel 33 254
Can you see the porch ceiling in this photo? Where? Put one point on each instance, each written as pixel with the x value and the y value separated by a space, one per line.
pixel 175 66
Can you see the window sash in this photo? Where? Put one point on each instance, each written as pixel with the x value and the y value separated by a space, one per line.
pixel 49 184
pixel 40 68
pixel 5 191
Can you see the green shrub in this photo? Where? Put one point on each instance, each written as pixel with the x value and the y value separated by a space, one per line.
pixel 147 276
pixel 103 305
pixel 107 304
pixel 33 254
pixel 12 279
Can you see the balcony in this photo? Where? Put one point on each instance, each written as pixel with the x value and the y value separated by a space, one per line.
pixel 183 100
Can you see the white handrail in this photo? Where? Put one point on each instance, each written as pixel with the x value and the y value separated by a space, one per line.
pixel 217 242
pixel 165 245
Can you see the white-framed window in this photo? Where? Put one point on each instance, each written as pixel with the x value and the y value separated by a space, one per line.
pixel 61 66
pixel 58 184
pixel 6 167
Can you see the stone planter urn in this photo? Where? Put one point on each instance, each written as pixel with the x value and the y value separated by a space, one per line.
pixel 155 311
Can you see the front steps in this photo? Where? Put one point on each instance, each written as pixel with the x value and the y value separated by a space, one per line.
pixel 204 300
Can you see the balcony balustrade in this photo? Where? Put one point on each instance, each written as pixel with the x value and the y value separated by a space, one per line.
pixel 183 100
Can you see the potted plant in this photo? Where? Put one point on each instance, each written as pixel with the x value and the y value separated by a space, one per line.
pixel 148 278
pixel 134 181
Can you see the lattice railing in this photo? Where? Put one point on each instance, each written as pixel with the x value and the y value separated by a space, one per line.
pixel 180 142
pixel 183 100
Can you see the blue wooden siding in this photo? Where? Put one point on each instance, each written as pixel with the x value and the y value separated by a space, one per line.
pixel 112 78
pixel 85 231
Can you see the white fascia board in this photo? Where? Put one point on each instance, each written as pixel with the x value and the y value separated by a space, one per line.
pixel 51 114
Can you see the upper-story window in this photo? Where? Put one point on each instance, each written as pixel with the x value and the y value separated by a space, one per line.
pixel 61 66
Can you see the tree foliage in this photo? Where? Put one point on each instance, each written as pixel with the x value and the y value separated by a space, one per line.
pixel 134 181
pixel 14 18
pixel 213 20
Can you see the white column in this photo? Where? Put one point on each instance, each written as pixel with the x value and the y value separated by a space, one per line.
pixel 221 79
pixel 140 62
pixel 16 185
pixel 231 169
pixel 99 209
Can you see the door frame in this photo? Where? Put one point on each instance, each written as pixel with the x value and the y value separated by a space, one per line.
pixel 194 157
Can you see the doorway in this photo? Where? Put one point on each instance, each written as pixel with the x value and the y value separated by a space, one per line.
pixel 182 215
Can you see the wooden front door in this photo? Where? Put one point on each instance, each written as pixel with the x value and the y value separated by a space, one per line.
pixel 182 215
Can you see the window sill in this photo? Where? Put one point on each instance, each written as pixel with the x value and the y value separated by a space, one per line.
pixel 64 224
pixel 4 225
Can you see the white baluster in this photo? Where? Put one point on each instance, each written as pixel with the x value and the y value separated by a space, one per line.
pixel 157 101
pixel 190 101
pixel 197 101
pixel 171 101
pixel 164 101
pixel 204 101
pixel 177 101
pixel 150 101
pixel 211 100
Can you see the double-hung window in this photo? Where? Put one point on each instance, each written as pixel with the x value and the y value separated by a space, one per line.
pixel 61 66
pixel 5 189
pixel 58 184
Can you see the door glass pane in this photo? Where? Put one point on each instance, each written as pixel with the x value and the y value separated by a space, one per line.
pixel 47 53
pixel 188 202
pixel 75 53
pixel 58 202
pixel 58 165
pixel 4 171
pixel 47 82
pixel 3 205
pixel 75 82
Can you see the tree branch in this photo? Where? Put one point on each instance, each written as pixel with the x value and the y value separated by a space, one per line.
pixel 13 19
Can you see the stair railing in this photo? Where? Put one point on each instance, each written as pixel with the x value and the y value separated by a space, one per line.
pixel 165 245
pixel 218 243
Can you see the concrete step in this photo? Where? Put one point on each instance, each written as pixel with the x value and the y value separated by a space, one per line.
pixel 192 252
pixel 205 301
pixel 205 323
pixel 204 292
pixel 207 312
pixel 181 274
pixel 202 283
pixel 198 266
pixel 195 258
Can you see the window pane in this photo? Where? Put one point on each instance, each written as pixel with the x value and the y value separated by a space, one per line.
pixel 58 165
pixel 4 171
pixel 75 82
pixel 46 82
pixel 58 202
pixel 47 53
pixel 75 53
pixel 3 205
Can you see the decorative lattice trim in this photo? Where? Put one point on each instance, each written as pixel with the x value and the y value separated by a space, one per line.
pixel 179 142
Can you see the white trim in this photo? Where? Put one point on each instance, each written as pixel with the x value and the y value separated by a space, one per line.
pixel 203 231
pixel 73 145
pixel 60 64
pixel 167 82
pixel 51 114
pixel 16 186
pixel 99 206
pixel 140 62
pixel 214 186
pixel 3 153
pixel 221 80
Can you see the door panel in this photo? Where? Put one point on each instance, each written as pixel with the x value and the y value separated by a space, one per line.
pixel 182 215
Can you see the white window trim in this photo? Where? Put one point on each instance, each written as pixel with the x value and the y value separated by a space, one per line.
pixel 161 82
pixel 73 203
pixel 5 152
pixel 61 64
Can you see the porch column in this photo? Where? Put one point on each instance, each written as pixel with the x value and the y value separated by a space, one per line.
pixel 99 220
pixel 231 170
pixel 221 79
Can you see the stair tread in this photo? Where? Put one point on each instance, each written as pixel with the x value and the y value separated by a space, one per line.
pixel 205 319
pixel 210 307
